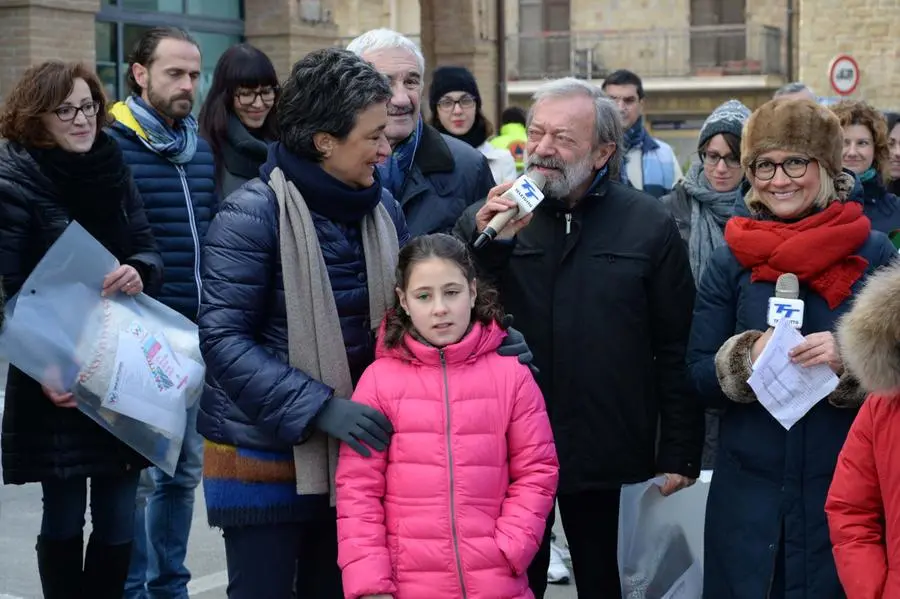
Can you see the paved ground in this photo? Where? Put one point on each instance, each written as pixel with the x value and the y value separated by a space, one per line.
pixel 20 516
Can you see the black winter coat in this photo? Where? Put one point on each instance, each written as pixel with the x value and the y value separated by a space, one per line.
pixel 447 176
pixel 604 295
pixel 253 398
pixel 766 535
pixel 41 441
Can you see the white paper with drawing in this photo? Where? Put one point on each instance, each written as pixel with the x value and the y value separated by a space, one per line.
pixel 787 390
pixel 149 380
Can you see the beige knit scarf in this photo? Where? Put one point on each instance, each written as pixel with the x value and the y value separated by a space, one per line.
pixel 316 344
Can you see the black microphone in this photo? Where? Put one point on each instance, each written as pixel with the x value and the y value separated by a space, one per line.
pixel 527 193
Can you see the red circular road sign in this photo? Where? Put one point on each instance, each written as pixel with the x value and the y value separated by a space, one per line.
pixel 843 74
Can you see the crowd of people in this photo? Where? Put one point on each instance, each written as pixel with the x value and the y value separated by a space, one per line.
pixel 392 412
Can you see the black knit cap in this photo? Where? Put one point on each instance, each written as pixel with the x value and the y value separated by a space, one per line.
pixel 452 79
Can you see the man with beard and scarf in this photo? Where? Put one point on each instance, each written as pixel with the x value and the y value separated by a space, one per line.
pixel 650 163
pixel 175 172
pixel 435 177
pixel 601 286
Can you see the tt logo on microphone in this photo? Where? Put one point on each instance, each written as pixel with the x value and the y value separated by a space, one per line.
pixel 529 190
pixel 785 309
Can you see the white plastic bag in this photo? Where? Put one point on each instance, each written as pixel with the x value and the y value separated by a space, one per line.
pixel 133 364
pixel 661 540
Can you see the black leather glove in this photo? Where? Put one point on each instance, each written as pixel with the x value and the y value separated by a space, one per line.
pixel 514 344
pixel 355 424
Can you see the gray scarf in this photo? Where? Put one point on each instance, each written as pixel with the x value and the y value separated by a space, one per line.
pixel 710 210
pixel 315 341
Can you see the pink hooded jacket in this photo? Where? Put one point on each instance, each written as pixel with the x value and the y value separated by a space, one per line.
pixel 457 505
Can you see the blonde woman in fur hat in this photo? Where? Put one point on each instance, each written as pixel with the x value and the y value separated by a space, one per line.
pixel 766 534
pixel 863 505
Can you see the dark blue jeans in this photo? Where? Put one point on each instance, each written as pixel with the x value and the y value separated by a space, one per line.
pixel 163 514
pixel 112 508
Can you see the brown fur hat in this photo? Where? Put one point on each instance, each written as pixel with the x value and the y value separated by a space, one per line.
pixel 793 126
pixel 869 333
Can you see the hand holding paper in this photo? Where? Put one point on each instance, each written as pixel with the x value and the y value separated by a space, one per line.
pixel 786 389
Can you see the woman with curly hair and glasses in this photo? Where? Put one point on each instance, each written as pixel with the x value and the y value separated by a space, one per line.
pixel 58 166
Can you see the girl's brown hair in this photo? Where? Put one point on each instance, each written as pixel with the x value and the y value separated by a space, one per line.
pixel 859 113
pixel 42 89
pixel 446 247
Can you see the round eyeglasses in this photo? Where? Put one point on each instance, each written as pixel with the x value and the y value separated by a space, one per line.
pixel 448 104
pixel 765 170
pixel 68 113
pixel 247 97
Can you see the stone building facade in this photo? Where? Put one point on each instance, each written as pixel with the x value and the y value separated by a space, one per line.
pixel 693 54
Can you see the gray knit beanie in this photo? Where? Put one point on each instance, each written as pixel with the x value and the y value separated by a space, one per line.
pixel 727 118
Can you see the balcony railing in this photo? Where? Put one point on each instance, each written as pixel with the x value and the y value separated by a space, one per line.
pixel 687 52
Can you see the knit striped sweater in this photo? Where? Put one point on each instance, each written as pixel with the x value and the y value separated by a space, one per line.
pixel 247 487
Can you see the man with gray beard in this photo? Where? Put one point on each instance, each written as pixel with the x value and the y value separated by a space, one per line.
pixel 601 286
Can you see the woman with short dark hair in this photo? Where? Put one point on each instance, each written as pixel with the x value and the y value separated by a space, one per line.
pixel 57 166
pixel 298 269
pixel 239 117
pixel 893 130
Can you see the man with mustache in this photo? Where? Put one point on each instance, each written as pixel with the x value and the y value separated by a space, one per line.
pixel 175 174
pixel 601 286
pixel 433 176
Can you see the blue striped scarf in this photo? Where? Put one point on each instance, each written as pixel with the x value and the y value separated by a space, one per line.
pixel 176 144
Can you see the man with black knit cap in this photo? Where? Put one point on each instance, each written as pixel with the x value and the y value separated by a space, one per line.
pixel 434 177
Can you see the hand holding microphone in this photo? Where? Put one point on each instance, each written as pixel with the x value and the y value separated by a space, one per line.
pixel 508 208
pixel 818 348
pixel 786 305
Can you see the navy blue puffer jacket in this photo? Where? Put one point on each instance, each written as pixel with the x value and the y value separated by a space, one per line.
pixel 253 397
pixel 180 202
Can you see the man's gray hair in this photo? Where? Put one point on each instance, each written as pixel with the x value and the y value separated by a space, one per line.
pixel 386 39
pixel 607 119
pixel 325 92
pixel 794 87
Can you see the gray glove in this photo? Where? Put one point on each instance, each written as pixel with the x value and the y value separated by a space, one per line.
pixel 355 424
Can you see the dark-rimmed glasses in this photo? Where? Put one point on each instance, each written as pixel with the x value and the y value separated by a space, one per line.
pixel 246 97
pixel 712 160
pixel 68 113
pixel 448 104
pixel 765 170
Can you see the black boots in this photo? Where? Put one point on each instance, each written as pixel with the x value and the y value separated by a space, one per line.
pixel 59 565
pixel 105 570
pixel 102 575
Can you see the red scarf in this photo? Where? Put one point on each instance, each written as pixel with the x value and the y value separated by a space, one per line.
pixel 818 249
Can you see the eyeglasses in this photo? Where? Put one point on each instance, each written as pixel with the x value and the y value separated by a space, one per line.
pixel 448 104
pixel 764 170
pixel 712 160
pixel 68 113
pixel 247 97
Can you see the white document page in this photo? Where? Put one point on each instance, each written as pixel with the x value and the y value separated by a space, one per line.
pixel 787 390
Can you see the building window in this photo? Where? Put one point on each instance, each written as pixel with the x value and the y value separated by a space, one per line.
pixel 215 24
pixel 718 36
pixel 544 38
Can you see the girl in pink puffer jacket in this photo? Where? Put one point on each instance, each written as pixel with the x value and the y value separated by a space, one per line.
pixel 456 506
